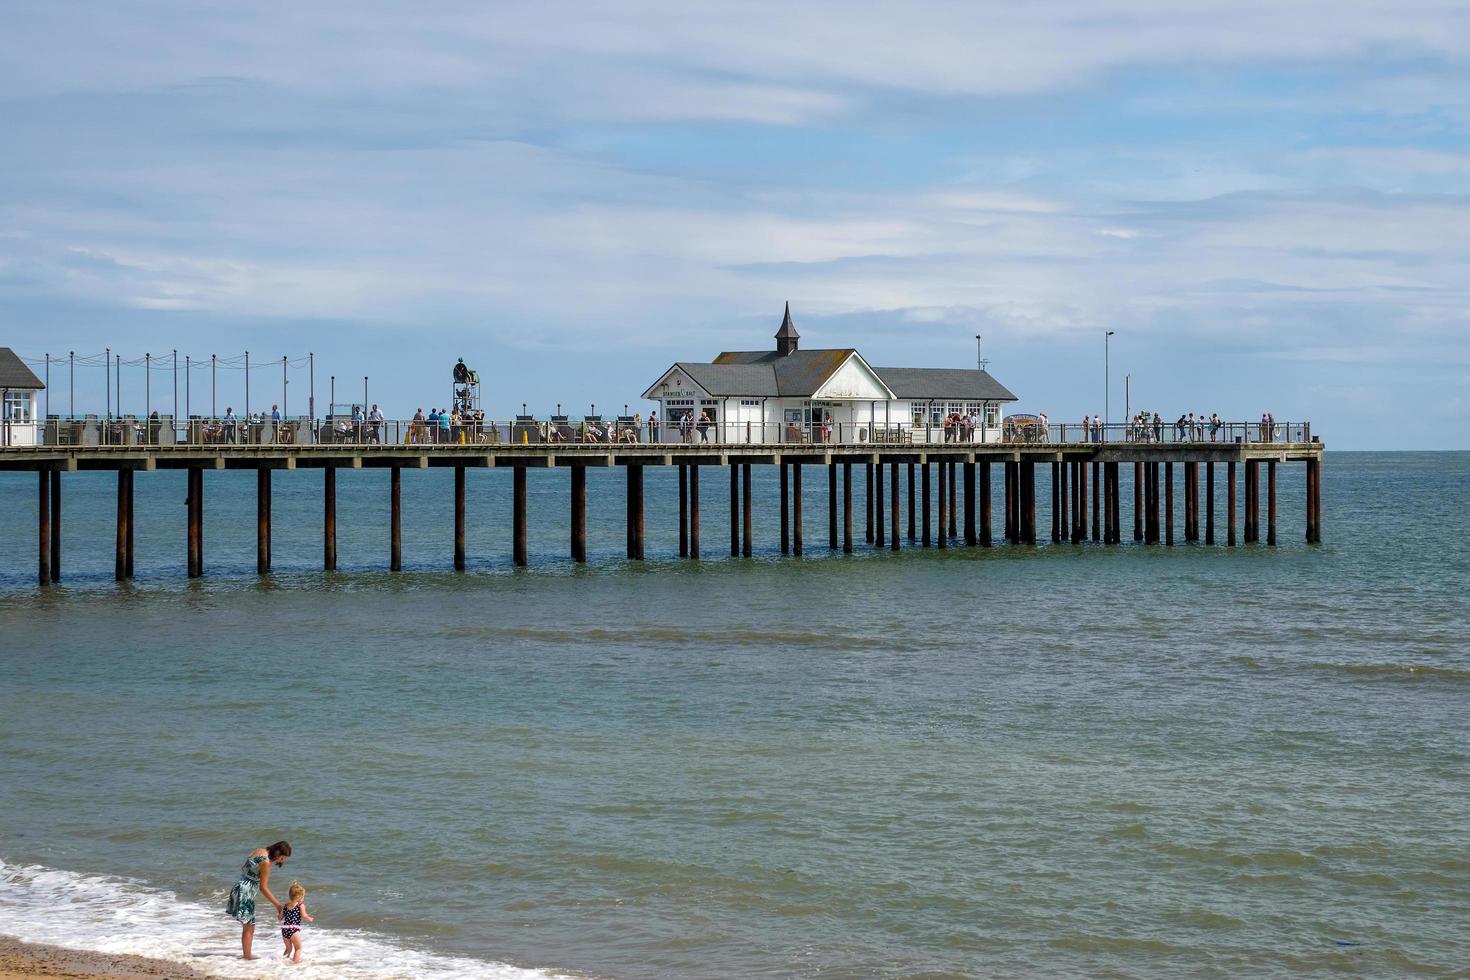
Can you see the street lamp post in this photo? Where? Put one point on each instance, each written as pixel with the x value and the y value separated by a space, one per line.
pixel 1107 379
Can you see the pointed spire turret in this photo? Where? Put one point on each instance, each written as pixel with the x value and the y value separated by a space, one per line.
pixel 787 338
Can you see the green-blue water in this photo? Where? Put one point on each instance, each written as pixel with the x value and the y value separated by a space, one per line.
pixel 1066 760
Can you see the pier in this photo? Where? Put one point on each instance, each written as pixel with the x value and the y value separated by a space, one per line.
pixel 941 479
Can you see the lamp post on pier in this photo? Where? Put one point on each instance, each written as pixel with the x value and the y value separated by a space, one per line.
pixel 1107 382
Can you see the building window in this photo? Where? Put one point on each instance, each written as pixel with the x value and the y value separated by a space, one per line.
pixel 17 406
pixel 992 415
pixel 750 401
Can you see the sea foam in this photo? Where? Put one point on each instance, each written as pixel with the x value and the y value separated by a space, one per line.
pixel 116 915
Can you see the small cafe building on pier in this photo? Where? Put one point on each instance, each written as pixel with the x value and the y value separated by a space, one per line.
pixel 792 395
pixel 19 388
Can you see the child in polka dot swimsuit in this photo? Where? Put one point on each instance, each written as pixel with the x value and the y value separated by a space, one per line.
pixel 292 914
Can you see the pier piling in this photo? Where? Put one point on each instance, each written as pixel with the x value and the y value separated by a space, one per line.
pixel 329 518
pixel 1056 503
pixel 120 556
pixel 913 532
pixel 1230 505
pixel 579 514
pixel 518 543
pixel 1096 501
pixel 734 510
pixel 395 519
pixel 55 525
pixel 262 521
pixel 635 511
pixel 683 510
pixel 832 506
pixel 785 510
pixel 796 529
pixel 1209 503
pixel 969 471
pixel 1028 501
pixel 868 505
pixel 953 513
pixel 195 536
pixel 878 506
pixel 944 502
pixel 847 508
pixel 459 494
pixel 986 502
pixel 1271 502
pixel 43 525
pixel 1137 501
pixel 745 545
pixel 1169 503
pixel 694 512
pixel 924 489
pixel 893 506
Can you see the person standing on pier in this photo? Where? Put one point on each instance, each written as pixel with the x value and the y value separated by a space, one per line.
pixel 375 424
pixel 229 424
pixel 653 427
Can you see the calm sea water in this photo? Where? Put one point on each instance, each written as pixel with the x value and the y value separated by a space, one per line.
pixel 1097 761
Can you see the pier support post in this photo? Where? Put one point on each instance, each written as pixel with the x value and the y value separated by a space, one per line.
pixel 1081 534
pixel 785 510
pixel 1271 502
pixel 43 525
pixel 734 510
pixel 944 514
pixel 1096 501
pixel 832 505
pixel 969 470
pixel 1062 494
pixel 796 537
pixel 1027 472
pixel 913 529
pixel 985 504
pixel 953 514
pixel 120 555
pixel 1010 502
pixel 1251 490
pixel 893 505
pixel 1193 471
pixel 194 503
pixel 868 505
pixel 1137 501
pixel 847 508
pixel 694 511
pixel 1230 505
pixel 1169 502
pixel 579 514
pixel 683 510
pixel 1115 511
pixel 519 556
pixel 878 518
pixel 924 508
pixel 1151 529
pixel 132 524
pixel 748 528
pixel 1056 503
pixel 329 518
pixel 1106 486
pixel 635 511
pixel 56 525
pixel 1314 502
pixel 1209 503
pixel 459 519
pixel 262 521
pixel 395 519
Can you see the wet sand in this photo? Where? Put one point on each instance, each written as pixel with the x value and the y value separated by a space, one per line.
pixel 18 959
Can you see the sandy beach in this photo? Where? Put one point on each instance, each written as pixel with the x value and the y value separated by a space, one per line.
pixel 18 959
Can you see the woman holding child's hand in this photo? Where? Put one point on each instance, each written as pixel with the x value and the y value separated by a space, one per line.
pixel 255 878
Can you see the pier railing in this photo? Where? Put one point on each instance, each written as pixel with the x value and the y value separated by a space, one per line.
pixel 632 430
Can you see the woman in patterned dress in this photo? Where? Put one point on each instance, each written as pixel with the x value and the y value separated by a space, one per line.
pixel 255 876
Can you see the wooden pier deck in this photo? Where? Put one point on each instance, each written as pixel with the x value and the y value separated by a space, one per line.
pixel 963 501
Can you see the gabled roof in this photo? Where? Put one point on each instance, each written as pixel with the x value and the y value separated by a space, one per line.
pixel 950 384
pixel 14 375
pixel 797 374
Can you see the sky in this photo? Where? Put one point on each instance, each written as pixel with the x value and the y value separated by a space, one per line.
pixel 1267 202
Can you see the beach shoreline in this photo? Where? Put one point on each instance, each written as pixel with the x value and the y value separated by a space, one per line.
pixel 21 959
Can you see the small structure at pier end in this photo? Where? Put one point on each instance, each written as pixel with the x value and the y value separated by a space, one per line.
pixel 19 387
pixel 790 395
